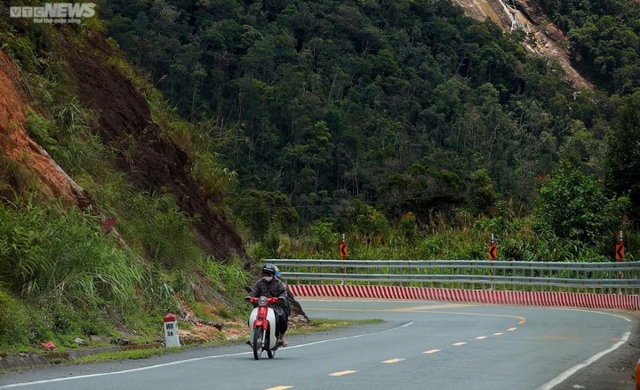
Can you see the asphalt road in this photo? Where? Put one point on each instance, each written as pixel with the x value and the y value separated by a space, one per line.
pixel 421 345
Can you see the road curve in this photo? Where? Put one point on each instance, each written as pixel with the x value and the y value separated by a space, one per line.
pixel 420 345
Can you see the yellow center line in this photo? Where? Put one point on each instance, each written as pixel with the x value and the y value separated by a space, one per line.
pixel 431 351
pixel 402 309
pixel 521 320
pixel 396 360
pixel 341 373
pixel 432 307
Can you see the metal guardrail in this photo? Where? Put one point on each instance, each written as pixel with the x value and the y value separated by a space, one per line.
pixel 618 277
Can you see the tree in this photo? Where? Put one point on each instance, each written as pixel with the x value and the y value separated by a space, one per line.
pixel 482 195
pixel 574 206
pixel 623 156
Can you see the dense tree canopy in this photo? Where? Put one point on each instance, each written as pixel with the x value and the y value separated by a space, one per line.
pixel 410 106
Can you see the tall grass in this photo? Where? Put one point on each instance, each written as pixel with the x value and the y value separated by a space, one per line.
pixel 47 250
pixel 60 275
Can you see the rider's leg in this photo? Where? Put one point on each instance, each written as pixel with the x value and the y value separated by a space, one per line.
pixel 282 329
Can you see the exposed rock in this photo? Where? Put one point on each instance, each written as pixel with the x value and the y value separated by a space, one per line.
pixel 17 146
pixel 548 39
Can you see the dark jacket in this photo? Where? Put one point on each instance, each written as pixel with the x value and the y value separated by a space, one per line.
pixel 274 288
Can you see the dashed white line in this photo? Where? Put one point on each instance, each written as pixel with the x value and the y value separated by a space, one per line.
pixel 396 360
pixel 341 373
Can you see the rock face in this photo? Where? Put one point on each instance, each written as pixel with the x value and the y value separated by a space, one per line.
pixel 548 40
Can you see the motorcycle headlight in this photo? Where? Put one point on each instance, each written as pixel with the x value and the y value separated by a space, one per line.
pixel 262 301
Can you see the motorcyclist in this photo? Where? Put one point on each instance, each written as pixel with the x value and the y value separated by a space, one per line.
pixel 270 286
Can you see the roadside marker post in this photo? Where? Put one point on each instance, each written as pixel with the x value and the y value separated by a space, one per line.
pixel 492 250
pixel 492 254
pixel 343 253
pixel 171 338
pixel 620 253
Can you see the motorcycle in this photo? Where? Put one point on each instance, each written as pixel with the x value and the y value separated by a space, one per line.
pixel 262 327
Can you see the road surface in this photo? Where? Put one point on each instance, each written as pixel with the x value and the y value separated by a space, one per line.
pixel 420 345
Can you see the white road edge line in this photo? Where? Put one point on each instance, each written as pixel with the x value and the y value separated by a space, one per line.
pixel 560 378
pixel 191 360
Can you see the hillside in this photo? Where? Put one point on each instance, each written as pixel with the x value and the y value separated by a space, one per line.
pixel 123 122
pixel 106 221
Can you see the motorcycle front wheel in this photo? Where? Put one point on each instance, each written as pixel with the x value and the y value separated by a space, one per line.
pixel 257 342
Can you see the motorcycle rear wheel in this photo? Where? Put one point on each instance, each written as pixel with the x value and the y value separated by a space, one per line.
pixel 257 342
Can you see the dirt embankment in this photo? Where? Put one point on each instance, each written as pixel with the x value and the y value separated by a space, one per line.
pixel 153 162
pixel 545 38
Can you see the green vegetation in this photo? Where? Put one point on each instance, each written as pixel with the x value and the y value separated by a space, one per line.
pixel 63 277
pixel 405 106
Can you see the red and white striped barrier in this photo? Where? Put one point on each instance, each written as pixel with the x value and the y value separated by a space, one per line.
pixel 533 298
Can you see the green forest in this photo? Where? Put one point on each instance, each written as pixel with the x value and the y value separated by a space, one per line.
pixel 412 129
pixel 331 110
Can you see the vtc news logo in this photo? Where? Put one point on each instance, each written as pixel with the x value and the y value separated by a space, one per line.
pixel 55 12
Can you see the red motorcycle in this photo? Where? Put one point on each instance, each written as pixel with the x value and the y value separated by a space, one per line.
pixel 262 327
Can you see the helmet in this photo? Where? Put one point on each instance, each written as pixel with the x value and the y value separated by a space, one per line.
pixel 277 271
pixel 269 268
